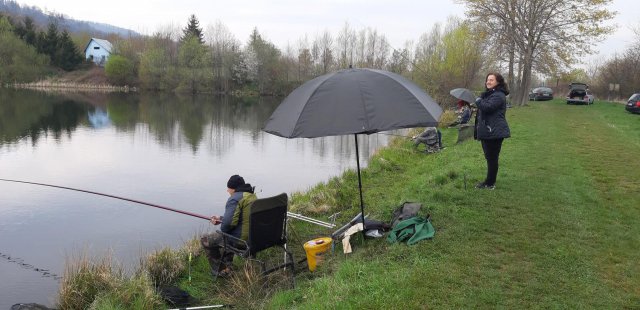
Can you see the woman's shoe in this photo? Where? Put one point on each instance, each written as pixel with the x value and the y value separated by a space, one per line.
pixel 483 185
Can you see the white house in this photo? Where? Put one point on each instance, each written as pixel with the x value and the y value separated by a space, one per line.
pixel 98 51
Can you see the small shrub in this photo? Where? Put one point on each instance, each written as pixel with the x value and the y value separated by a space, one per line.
pixel 119 70
pixel 447 117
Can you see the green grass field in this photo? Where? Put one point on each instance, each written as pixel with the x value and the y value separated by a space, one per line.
pixel 561 230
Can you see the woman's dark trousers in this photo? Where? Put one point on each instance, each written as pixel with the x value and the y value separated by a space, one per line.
pixel 491 150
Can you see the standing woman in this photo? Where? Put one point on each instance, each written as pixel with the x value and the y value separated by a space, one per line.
pixel 491 126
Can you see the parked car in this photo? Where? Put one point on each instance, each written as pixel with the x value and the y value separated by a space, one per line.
pixel 579 94
pixel 633 104
pixel 541 93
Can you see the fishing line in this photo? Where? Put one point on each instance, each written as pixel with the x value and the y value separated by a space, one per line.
pixel 20 262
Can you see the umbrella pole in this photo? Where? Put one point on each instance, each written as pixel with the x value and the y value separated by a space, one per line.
pixel 359 182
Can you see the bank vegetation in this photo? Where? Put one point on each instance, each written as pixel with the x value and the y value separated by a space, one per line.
pixel 560 230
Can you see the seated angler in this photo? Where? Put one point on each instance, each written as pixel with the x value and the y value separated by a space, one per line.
pixel 234 222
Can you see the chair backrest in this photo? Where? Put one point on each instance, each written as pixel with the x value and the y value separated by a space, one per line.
pixel 267 223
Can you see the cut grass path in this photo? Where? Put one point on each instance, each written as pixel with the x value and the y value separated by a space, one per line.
pixel 562 229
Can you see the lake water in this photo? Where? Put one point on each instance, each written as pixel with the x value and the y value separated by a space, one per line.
pixel 164 149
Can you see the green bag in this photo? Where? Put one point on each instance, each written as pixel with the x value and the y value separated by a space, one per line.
pixel 412 230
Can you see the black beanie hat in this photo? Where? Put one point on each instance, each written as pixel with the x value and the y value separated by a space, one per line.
pixel 235 181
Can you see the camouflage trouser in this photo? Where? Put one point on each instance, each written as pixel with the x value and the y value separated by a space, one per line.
pixel 212 244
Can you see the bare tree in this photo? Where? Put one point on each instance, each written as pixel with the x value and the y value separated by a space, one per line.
pixel 224 49
pixel 305 60
pixel 562 29
pixel 345 46
pixel 361 44
pixel 325 45
pixel 427 43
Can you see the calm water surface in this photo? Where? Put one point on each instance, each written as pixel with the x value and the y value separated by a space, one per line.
pixel 164 149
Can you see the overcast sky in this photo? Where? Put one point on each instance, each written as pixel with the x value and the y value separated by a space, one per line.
pixel 285 21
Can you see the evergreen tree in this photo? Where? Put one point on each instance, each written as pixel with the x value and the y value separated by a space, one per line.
pixel 41 41
pixel 48 42
pixel 26 31
pixel 193 29
pixel 29 31
pixel 67 55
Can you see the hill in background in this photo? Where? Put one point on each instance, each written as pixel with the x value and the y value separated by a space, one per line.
pixel 17 11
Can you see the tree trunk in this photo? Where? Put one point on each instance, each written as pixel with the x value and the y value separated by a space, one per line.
pixel 527 64
pixel 511 78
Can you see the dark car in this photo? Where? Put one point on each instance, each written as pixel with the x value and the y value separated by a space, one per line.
pixel 579 94
pixel 633 104
pixel 541 93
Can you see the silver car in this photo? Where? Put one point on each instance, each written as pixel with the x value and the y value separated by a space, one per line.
pixel 579 94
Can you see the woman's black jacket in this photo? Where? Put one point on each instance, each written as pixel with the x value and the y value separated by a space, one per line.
pixel 491 122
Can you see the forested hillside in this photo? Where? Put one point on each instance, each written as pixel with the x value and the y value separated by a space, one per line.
pixel 42 19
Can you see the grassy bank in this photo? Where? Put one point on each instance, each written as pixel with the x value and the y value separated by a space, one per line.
pixel 561 230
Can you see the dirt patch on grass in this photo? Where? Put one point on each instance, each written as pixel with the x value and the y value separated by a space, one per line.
pixel 89 75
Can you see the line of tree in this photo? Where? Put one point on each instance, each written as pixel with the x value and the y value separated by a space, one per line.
pixel 213 60
pixel 520 38
pixel 61 50
pixel 23 45
pixel 526 39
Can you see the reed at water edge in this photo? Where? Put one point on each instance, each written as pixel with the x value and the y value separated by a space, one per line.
pixel 71 86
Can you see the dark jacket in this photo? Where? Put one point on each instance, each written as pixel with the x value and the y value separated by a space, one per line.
pixel 236 211
pixel 491 122
pixel 466 115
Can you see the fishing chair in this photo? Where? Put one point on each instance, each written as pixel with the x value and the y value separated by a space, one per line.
pixel 267 229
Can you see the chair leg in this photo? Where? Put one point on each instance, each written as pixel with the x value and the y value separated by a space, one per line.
pixel 293 269
pixel 216 272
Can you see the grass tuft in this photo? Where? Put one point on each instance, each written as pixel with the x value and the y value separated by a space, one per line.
pixel 84 279
pixel 164 266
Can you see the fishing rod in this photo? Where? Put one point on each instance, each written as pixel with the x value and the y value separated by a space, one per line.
pixel 289 214
pixel 114 196
pixel 393 135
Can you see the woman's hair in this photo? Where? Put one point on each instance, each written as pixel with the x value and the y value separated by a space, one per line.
pixel 500 79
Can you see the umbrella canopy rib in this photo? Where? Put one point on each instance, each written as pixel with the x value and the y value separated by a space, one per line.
pixel 418 93
pixel 300 122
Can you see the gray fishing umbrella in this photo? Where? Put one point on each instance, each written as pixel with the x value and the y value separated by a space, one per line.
pixel 463 94
pixel 353 101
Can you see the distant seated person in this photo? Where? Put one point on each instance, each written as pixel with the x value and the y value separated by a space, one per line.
pixel 432 139
pixel 464 113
